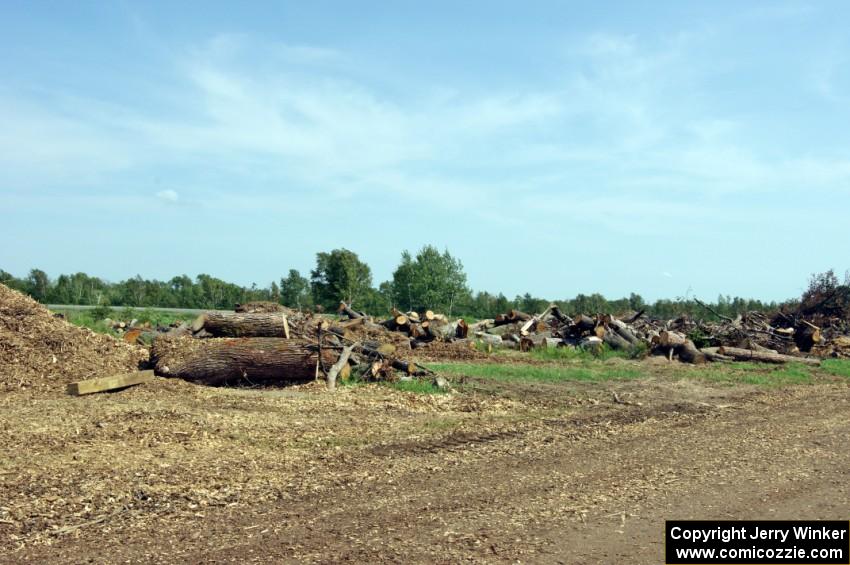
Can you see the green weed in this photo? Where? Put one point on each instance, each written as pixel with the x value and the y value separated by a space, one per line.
pixel 838 367
pixel 589 372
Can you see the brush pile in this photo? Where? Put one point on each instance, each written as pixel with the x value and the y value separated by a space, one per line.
pixel 40 351
pixel 263 345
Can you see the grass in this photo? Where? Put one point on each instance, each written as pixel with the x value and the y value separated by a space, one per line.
pixel 546 373
pixel 755 374
pixel 837 367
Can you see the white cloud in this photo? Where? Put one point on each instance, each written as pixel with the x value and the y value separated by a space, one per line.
pixel 168 195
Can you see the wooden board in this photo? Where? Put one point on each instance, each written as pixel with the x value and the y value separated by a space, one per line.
pixel 110 383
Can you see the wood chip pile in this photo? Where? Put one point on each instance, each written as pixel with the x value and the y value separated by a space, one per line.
pixel 42 352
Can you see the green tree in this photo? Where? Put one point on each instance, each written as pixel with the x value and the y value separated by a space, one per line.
pixel 339 276
pixel 38 284
pixel 294 290
pixel 433 280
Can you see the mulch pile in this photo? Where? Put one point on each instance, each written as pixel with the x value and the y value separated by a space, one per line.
pixel 41 352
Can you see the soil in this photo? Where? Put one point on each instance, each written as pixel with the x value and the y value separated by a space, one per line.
pixel 540 473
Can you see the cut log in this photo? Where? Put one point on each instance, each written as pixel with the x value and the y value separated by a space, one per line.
pixel 671 339
pixel 413 316
pixel 624 331
pixel 441 330
pixel 614 341
pixel 256 360
pixel 494 340
pixel 481 326
pixel 689 353
pixel 504 329
pixel 461 329
pixel 807 336
pixel 109 383
pixel 712 354
pixel 749 355
pixel 558 315
pixel 231 324
pixel 583 323
pixel 517 316
pixel 348 311
pixel 198 323
pixel 429 315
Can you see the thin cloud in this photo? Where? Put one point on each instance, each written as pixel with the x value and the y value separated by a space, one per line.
pixel 168 195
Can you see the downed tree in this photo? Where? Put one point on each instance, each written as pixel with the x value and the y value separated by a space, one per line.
pixel 765 356
pixel 256 360
pixel 232 324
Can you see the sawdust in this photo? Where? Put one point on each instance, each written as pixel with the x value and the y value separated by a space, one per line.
pixel 41 353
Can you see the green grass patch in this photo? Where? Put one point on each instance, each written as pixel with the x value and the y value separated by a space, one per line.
pixel 838 367
pixel 759 374
pixel 514 372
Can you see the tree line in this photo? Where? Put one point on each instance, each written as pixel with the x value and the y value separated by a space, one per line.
pixel 430 279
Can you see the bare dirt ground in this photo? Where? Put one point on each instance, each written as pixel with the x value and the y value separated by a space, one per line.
pixel 509 472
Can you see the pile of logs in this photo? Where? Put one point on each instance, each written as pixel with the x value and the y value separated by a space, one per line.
pixel 262 345
pixel 751 337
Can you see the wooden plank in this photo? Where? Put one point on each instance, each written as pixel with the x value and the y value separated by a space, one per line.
pixel 109 383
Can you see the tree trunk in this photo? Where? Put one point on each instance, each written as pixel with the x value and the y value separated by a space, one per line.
pixel 230 324
pixel 689 353
pixel 346 309
pixel 614 341
pixel 443 331
pixel 671 339
pixel 624 332
pixel 807 336
pixel 584 323
pixel 217 361
pixel 461 329
pixel 748 355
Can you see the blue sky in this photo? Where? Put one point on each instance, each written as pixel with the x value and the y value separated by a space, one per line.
pixel 554 147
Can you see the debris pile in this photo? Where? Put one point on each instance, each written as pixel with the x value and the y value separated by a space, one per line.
pixel 39 350
pixel 277 345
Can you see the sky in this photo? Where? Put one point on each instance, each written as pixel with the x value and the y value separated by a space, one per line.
pixel 664 148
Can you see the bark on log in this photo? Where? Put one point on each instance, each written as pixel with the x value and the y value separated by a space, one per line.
pixel 517 316
pixel 671 339
pixel 231 324
pixel 461 329
pixel 748 355
pixel 712 354
pixel 218 361
pixel 807 336
pixel 346 309
pixel 624 332
pixel 489 339
pixel 614 341
pixel 441 330
pixel 558 315
pixel 481 326
pixel 584 323
pixel 689 353
pixel 504 329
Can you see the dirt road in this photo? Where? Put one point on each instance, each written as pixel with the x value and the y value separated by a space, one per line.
pixel 593 487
